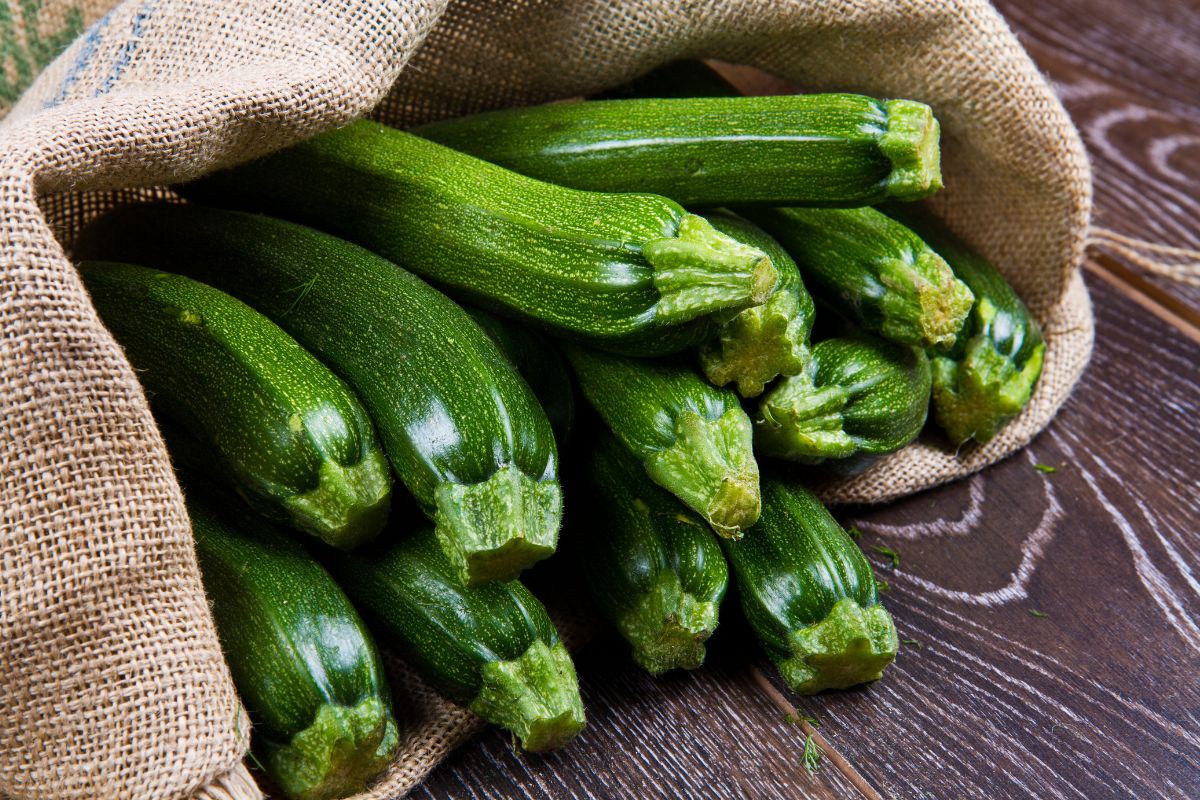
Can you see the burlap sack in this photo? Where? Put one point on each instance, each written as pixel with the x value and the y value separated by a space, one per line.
pixel 111 679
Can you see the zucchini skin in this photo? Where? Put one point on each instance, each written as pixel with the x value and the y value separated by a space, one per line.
pixel 861 397
pixel 540 364
pixel 463 432
pixel 873 269
pixel 809 594
pixel 990 373
pixel 806 149
pixel 693 439
pixel 613 270
pixel 302 660
pixel 653 567
pixel 491 648
pixel 290 436
pixel 762 342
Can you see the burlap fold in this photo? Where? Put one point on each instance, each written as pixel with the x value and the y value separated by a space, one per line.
pixel 110 673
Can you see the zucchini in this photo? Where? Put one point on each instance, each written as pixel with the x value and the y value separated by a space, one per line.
pixel 693 439
pixel 613 270
pixel 288 434
pixel 463 431
pixel 540 364
pixel 654 569
pixel 861 397
pixel 491 648
pixel 302 660
pixel 989 375
pixel 874 269
pixel 809 594
pixel 801 149
pixel 762 342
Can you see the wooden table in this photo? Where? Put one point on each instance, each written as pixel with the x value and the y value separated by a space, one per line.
pixel 1098 698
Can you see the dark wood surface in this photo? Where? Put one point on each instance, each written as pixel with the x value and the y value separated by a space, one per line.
pixel 1098 698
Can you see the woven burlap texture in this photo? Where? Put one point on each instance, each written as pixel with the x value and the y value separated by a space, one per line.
pixel 110 670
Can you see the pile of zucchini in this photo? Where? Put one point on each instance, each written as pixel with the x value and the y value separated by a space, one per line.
pixel 298 329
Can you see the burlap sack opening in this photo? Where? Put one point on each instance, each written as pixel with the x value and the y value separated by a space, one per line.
pixel 113 681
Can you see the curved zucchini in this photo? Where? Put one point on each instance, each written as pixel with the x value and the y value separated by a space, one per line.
pixel 762 342
pixel 302 660
pixel 873 269
pixel 803 149
pixel 861 396
pixel 693 439
pixel 654 569
pixel 989 375
pixel 491 648
pixel 613 270
pixel 463 431
pixel 809 594
pixel 540 364
pixel 289 435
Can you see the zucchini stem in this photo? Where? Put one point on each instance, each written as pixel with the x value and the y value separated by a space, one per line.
pixel 911 144
pixel 352 501
pixel 800 422
pixel 701 270
pixel 536 696
pixel 852 645
pixel 668 627
pixel 922 302
pixel 494 529
pixel 757 345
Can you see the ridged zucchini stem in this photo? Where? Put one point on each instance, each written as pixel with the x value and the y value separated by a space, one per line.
pixel 701 270
pixel 353 500
pixel 711 468
pixel 911 144
pixel 757 345
pixel 668 627
pixel 852 645
pixel 922 301
pixel 329 758
pixel 800 422
pixel 536 696
pixel 494 529
pixel 976 395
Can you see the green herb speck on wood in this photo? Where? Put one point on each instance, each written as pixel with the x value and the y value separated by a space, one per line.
pixel 1046 468
pixel 1033 612
pixel 889 552
pixel 812 755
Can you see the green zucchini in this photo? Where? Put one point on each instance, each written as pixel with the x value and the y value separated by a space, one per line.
pixel 654 569
pixel 491 648
pixel 540 364
pixel 805 149
pixel 989 375
pixel 810 595
pixel 302 660
pixel 861 397
pixel 288 434
pixel 613 270
pixel 463 431
pixel 762 342
pixel 873 269
pixel 693 439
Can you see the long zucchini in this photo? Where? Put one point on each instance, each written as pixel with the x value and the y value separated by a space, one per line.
pixel 809 594
pixel 613 270
pixel 463 431
pixel 302 660
pixel 814 149
pixel 654 569
pixel 989 375
pixel 693 439
pixel 491 648
pixel 762 342
pixel 861 397
pixel 291 437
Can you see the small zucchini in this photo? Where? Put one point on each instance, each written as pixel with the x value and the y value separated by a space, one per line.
pixel 464 433
pixel 802 149
pixel 288 434
pixel 612 270
pixel 861 397
pixel 809 594
pixel 654 568
pixel 540 364
pixel 491 648
pixel 874 269
pixel 302 660
pixel 693 439
pixel 988 376
pixel 762 342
